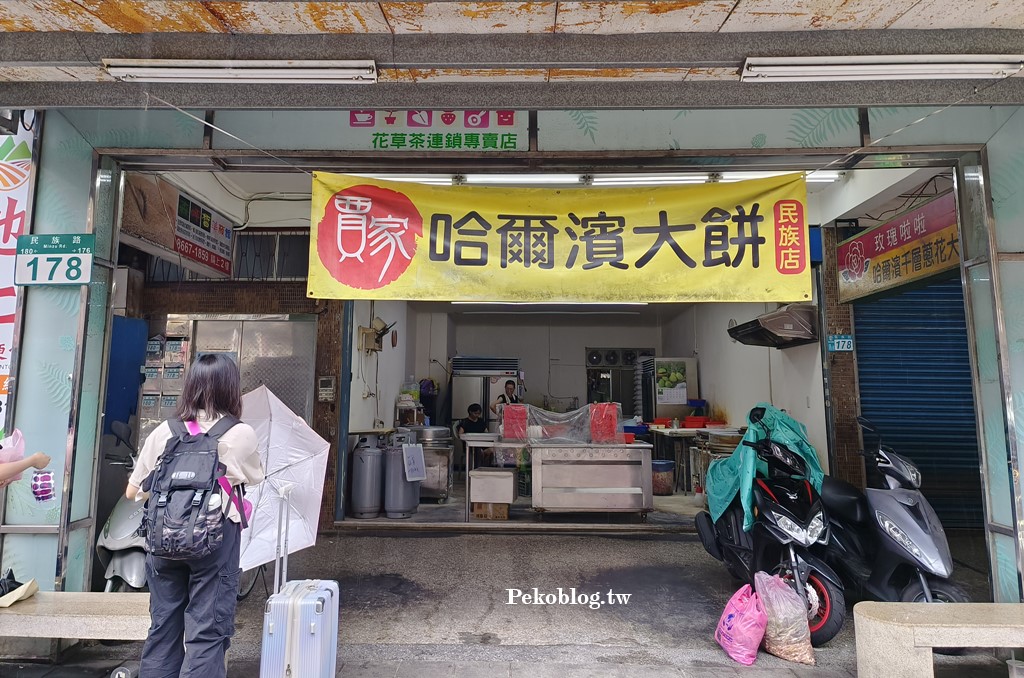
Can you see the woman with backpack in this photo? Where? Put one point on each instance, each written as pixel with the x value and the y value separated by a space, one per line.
pixel 192 470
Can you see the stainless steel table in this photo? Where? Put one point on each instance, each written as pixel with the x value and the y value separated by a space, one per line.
pixel 576 457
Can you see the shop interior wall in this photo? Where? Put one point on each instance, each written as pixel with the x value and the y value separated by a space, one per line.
pixel 551 348
pixel 377 376
pixel 734 377
pixel 431 342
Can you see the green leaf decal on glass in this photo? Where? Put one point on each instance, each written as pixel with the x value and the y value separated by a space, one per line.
pixel 586 122
pixel 876 114
pixel 64 298
pixel 184 126
pixel 58 385
pixel 1006 183
pixel 812 127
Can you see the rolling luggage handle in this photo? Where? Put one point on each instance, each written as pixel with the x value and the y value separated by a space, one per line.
pixel 281 562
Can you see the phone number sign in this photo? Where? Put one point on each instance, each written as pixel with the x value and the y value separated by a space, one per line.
pixel 54 259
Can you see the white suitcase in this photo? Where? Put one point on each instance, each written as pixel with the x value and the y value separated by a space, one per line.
pixel 300 631
pixel 300 623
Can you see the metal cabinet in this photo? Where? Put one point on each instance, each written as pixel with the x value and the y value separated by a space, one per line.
pixel 593 478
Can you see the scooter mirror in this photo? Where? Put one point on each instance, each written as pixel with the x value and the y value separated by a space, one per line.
pixel 122 432
pixel 866 425
pixel 756 415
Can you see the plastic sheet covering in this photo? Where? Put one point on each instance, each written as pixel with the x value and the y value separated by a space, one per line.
pixel 597 423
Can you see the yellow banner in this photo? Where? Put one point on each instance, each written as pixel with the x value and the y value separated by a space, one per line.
pixel 744 241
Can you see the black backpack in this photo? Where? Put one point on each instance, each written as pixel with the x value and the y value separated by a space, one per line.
pixel 180 523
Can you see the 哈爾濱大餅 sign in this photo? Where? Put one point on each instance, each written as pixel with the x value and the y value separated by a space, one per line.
pixel 743 241
pixel 911 247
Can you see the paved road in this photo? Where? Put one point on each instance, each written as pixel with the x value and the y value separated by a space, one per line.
pixel 435 604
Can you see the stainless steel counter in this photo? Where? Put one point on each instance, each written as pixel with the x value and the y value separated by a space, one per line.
pixel 582 477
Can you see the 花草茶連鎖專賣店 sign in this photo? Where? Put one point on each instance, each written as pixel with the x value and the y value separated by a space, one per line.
pixel 744 241
pixel 913 246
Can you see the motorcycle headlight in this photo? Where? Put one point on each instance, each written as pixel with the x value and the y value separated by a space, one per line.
pixel 797 533
pixel 898 535
pixel 816 529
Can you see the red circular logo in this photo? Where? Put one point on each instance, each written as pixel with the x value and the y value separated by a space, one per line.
pixel 367 237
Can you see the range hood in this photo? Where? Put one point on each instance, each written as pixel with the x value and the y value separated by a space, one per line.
pixel 790 325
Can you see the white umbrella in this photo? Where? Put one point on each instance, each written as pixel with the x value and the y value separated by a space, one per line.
pixel 293 455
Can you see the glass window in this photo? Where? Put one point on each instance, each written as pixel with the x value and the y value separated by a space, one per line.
pixel 293 255
pixel 255 256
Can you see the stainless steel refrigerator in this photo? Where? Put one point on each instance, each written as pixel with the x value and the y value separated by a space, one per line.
pixel 481 380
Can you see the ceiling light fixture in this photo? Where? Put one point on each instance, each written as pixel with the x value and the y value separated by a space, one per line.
pixel 877 67
pixel 226 71
pixel 812 177
pixel 551 303
pixel 428 179
pixel 525 179
pixel 647 179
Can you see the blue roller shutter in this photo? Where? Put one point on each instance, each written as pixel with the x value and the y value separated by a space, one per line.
pixel 915 385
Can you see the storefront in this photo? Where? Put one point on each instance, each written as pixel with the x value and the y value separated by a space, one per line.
pixel 87 158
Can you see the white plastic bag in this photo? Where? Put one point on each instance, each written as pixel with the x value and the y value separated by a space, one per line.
pixel 13 449
pixel 787 635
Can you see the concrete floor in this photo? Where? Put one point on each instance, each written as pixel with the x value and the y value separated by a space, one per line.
pixel 430 604
pixel 673 510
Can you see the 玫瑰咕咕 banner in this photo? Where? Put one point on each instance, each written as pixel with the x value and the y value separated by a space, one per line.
pixel 743 241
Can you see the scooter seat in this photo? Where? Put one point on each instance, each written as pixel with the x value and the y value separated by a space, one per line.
pixel 844 500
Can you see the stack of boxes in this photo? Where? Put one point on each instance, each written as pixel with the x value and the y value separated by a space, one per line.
pixel 166 358
pixel 492 491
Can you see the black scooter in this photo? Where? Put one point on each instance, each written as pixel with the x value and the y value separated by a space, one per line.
pixel 789 519
pixel 887 542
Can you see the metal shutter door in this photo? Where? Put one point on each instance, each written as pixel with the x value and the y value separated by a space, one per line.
pixel 915 385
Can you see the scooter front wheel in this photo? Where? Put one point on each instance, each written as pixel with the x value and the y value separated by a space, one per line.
pixel 942 592
pixel 831 609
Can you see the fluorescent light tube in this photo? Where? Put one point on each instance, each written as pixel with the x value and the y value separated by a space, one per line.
pixel 812 176
pixel 551 303
pixel 428 179
pixel 227 71
pixel 647 179
pixel 878 67
pixel 504 179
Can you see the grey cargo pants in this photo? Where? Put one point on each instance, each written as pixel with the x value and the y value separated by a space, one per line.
pixel 192 601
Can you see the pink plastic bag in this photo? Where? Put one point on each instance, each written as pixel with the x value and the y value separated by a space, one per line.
pixel 742 626
pixel 13 449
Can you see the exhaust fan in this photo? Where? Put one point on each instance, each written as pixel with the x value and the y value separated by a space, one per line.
pixel 785 327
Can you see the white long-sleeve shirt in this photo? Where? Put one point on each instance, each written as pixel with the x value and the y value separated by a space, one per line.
pixel 238 450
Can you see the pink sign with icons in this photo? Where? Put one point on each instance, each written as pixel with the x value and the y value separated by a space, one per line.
pixel 362 118
pixel 477 119
pixel 419 118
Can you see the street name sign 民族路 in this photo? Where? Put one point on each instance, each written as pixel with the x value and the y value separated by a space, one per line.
pixel 54 259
